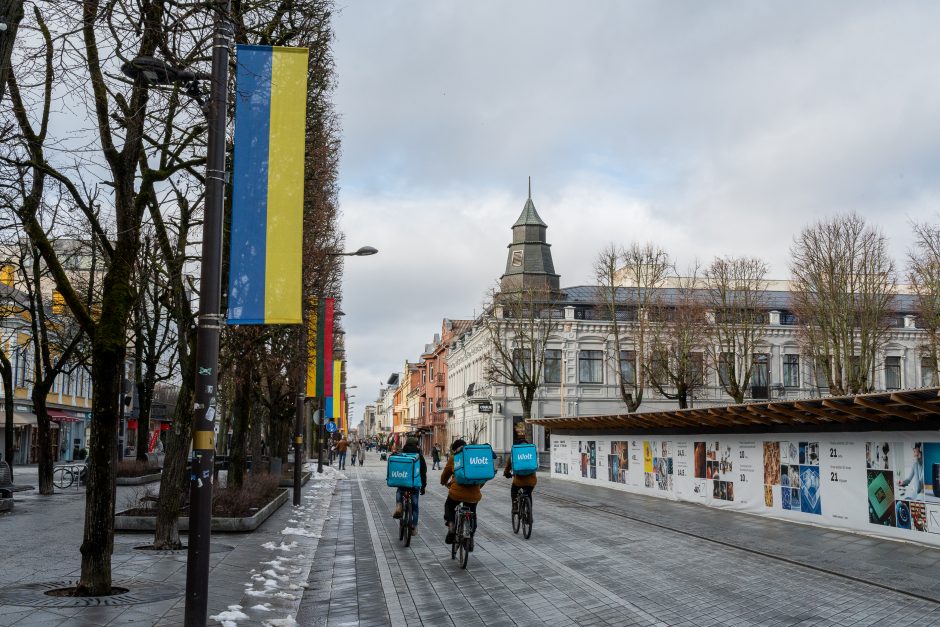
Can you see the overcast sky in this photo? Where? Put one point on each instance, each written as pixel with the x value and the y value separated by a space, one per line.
pixel 710 128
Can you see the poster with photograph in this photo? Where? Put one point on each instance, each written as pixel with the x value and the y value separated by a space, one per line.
pixel 902 485
pixel 559 456
pixel 657 465
pixel 791 476
pixel 618 461
pixel 587 449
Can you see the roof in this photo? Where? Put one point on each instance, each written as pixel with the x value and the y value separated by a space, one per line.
pixel 529 216
pixel 775 299
pixel 908 409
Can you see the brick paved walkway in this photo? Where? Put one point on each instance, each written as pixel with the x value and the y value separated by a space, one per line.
pixel 596 557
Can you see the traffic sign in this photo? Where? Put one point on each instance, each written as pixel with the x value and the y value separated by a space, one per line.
pixel 331 426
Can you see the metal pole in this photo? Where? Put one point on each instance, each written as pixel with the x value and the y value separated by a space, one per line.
pixel 298 445
pixel 319 436
pixel 207 335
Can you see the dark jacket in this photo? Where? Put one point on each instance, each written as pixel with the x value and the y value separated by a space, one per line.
pixel 457 491
pixel 436 454
pixel 527 481
pixel 424 465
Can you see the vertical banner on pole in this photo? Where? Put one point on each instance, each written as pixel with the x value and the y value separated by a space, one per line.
pixel 312 344
pixel 337 377
pixel 268 186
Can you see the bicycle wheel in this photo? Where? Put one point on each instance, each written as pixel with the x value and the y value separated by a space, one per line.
pixel 406 521
pixel 62 477
pixel 401 524
pixel 464 551
pixel 525 514
pixel 516 516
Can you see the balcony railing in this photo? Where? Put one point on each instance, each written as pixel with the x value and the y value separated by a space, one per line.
pixel 439 380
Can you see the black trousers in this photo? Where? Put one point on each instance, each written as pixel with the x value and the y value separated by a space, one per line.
pixel 450 506
pixel 514 490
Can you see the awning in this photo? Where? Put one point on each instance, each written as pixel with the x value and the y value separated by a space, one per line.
pixel 402 428
pixel 20 419
pixel 60 416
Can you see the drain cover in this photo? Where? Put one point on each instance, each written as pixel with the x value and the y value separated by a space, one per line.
pixel 36 594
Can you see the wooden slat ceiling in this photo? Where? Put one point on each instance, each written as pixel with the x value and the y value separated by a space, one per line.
pixel 919 407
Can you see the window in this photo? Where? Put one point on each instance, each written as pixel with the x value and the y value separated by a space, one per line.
pixel 725 368
pixel 928 371
pixel 892 373
pixel 698 369
pixel 591 367
pixel 659 367
pixel 520 363
pixel 791 371
pixel 628 367
pixel 822 373
pixel 553 365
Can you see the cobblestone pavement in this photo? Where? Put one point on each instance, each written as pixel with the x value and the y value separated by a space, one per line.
pixel 596 557
pixel 587 563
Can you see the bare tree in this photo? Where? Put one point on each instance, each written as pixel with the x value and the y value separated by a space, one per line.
pixel 520 326
pixel 736 295
pixel 923 272
pixel 678 337
pixel 629 281
pixel 844 283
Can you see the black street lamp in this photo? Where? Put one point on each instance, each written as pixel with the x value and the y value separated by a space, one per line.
pixel 157 72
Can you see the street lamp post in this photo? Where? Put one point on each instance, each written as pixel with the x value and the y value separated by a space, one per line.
pixel 362 251
pixel 157 72
pixel 207 334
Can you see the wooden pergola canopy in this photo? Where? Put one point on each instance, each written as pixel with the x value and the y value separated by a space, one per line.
pixel 908 409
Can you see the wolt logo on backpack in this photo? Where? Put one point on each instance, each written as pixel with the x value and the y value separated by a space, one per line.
pixel 473 464
pixel 525 459
pixel 404 471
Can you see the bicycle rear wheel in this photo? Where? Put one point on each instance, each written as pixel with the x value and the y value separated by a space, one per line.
pixel 516 516
pixel 406 521
pixel 525 515
pixel 62 477
pixel 464 552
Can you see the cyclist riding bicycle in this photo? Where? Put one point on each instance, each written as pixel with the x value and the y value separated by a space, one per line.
pixel 526 483
pixel 457 493
pixel 411 446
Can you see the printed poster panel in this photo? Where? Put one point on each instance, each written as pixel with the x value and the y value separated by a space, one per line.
pixel 883 483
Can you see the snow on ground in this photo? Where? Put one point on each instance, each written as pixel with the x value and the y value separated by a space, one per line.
pixel 275 586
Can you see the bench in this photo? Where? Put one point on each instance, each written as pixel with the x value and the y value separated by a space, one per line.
pixel 6 488
pixel 6 480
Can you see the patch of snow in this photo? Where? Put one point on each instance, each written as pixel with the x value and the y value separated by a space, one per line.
pixel 228 618
pixel 261 608
pixel 280 622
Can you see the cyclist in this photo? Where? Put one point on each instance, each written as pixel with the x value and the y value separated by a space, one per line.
pixel 525 483
pixel 411 446
pixel 457 493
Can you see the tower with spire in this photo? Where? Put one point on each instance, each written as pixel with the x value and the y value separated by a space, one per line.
pixel 529 263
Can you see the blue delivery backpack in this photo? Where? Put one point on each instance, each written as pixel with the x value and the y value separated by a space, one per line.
pixel 403 471
pixel 473 464
pixel 525 459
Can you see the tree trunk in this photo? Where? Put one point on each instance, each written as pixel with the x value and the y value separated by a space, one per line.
pixel 98 541
pixel 257 434
pixel 6 371
pixel 682 395
pixel 173 481
pixel 145 400
pixel 45 439
pixel 241 413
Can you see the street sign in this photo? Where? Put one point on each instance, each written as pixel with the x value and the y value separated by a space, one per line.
pixel 485 408
pixel 331 426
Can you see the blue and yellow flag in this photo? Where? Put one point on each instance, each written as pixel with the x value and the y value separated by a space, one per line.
pixel 268 186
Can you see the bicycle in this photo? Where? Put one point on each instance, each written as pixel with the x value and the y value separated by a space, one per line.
pixel 407 517
pixel 522 516
pixel 465 526
pixel 65 475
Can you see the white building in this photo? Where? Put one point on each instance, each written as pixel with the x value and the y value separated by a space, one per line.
pixel 580 377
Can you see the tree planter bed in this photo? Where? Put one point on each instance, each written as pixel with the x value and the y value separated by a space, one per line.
pixel 288 481
pixel 141 480
pixel 123 522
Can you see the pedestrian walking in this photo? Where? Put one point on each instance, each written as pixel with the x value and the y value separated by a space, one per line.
pixel 362 453
pixel 353 449
pixel 341 447
pixel 436 458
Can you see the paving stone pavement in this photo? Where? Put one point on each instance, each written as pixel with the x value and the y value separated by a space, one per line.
pixel 596 557
pixel 587 563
